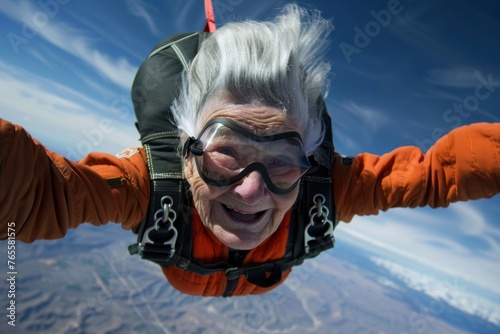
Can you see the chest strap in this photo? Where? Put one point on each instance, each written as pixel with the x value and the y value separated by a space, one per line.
pixel 166 239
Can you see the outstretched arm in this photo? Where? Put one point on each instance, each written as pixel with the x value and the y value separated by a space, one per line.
pixel 462 165
pixel 44 194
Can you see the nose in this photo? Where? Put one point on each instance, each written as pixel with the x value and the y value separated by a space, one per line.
pixel 252 188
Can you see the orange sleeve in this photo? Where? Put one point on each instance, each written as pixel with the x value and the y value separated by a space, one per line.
pixel 44 194
pixel 462 165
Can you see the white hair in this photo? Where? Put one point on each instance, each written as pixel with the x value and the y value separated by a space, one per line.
pixel 277 64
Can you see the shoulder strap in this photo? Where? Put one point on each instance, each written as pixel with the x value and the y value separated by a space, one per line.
pixel 164 236
pixel 154 89
pixel 311 230
pixel 315 215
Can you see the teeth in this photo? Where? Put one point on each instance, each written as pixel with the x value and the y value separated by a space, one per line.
pixel 242 212
pixel 242 216
pixel 230 208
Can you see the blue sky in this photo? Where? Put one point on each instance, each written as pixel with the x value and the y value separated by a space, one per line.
pixel 66 68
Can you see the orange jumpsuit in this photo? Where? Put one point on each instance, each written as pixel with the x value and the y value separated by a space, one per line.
pixel 45 194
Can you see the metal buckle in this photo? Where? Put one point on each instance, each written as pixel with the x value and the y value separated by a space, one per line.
pixel 322 212
pixel 164 218
pixel 232 272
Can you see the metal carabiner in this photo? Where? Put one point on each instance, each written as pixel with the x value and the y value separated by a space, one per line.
pixel 318 211
pixel 163 216
pixel 164 213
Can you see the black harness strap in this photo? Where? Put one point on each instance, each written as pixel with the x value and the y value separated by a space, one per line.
pixel 165 235
pixel 169 198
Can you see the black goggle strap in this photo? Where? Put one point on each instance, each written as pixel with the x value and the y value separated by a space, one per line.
pixel 191 145
pixel 250 135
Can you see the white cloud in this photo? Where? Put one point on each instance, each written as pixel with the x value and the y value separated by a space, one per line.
pixel 388 283
pixel 138 8
pixel 14 9
pixel 460 77
pixel 62 117
pixel 459 241
pixel 188 15
pixel 440 94
pixel 108 30
pixel 355 125
pixel 452 292
pixel 96 85
pixel 40 57
pixel 473 223
pixel 369 117
pixel 344 142
pixel 74 42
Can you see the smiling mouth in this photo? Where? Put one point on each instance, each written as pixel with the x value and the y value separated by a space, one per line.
pixel 241 216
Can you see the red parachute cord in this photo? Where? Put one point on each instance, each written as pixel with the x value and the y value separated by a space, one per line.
pixel 209 13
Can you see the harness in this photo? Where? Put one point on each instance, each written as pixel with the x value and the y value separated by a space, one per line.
pixel 165 235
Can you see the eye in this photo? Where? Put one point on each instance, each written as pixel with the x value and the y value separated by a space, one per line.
pixel 276 162
pixel 227 151
pixel 224 156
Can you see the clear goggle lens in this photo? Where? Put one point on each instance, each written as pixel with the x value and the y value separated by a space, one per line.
pixel 225 153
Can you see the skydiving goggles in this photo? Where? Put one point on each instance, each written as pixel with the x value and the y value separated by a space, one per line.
pixel 225 153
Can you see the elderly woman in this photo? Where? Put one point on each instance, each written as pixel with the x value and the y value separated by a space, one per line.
pixel 251 123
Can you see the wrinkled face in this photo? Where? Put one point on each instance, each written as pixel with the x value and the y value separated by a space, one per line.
pixel 244 214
